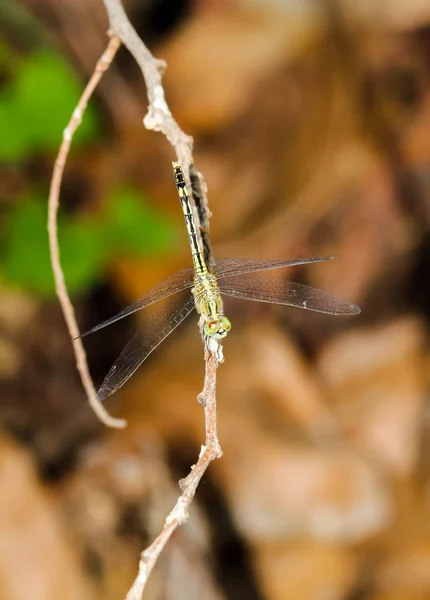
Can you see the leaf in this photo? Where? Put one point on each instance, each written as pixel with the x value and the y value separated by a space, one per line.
pixel 26 259
pixel 37 105
pixel 83 254
pixel 129 228
pixel 135 228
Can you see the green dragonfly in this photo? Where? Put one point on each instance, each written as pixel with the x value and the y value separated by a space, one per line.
pixel 201 289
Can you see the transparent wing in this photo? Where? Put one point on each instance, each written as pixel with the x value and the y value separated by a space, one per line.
pixel 171 285
pixel 160 324
pixel 286 292
pixel 226 267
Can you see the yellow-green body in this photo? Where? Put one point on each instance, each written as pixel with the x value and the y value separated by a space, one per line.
pixel 207 296
pixel 205 291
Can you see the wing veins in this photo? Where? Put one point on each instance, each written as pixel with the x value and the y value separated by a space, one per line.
pixel 143 343
pixel 288 293
pixel 171 285
pixel 228 267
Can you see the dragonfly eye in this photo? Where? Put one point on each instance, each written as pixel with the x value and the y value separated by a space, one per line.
pixel 211 327
pixel 225 324
pixel 218 328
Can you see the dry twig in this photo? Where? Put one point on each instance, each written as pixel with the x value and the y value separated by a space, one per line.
pixel 179 515
pixel 158 118
pixel 54 195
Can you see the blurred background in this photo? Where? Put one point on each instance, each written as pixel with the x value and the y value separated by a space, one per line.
pixel 311 122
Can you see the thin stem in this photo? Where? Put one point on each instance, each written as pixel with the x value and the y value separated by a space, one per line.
pixel 53 205
pixel 179 514
pixel 158 116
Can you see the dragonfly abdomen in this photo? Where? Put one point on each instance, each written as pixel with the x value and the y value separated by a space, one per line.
pixel 196 251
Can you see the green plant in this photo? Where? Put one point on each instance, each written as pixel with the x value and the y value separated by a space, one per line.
pixel 127 227
pixel 36 104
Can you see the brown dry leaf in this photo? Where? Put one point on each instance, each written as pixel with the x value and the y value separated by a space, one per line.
pixel 371 234
pixel 116 504
pixel 400 14
pixel 377 378
pixel 416 141
pixel 10 358
pixel 277 492
pixel 405 570
pixel 305 571
pixel 106 505
pixel 36 559
pixel 218 58
pixel 274 490
pixel 283 374
pixel 16 310
pixel 188 575
pixel 397 596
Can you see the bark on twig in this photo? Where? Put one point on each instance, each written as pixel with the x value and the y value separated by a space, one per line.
pixel 179 514
pixel 158 116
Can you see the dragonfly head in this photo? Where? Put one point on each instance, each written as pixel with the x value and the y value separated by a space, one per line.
pixel 217 328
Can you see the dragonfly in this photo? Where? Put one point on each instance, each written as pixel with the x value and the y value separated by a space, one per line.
pixel 202 288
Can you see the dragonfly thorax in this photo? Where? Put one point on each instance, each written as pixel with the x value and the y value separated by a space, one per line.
pixel 209 304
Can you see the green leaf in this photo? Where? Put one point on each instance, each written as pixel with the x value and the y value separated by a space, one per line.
pixel 135 228
pixel 37 105
pixel 128 228
pixel 26 259
pixel 83 253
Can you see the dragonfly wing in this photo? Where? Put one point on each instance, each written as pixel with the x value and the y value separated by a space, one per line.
pixel 159 325
pixel 286 292
pixel 227 267
pixel 171 285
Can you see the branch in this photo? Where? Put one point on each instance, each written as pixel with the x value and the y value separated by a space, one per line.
pixel 53 204
pixel 179 514
pixel 159 118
